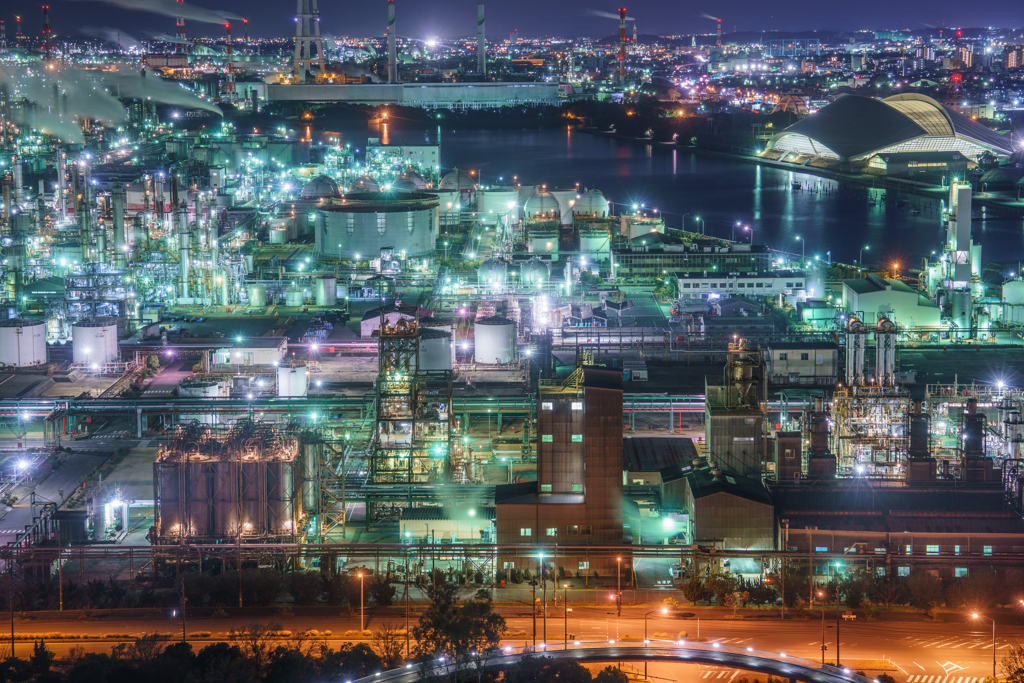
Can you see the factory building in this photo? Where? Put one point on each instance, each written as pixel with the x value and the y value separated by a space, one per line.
pixel 577 498
pixel 734 417
pixel 647 262
pixel 803 363
pixel 362 223
pixel 790 284
pixel 242 485
pixel 425 95
pixel 877 297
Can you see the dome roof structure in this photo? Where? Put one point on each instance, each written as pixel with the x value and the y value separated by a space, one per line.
pixel 591 203
pixel 414 178
pixel 320 187
pixel 541 205
pixel 855 128
pixel 365 184
pixel 403 185
pixel 534 271
pixel 491 271
pixel 457 180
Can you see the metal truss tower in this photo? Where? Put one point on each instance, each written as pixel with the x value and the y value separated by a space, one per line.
pixel 309 46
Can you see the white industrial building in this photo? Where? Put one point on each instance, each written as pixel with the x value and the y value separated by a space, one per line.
pixel 252 351
pixel 426 95
pixel 873 297
pixel 789 283
pixel 803 363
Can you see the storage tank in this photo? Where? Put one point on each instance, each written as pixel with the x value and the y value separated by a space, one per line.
pixel 492 272
pixel 535 272
pixel 292 381
pixel 495 202
pixel 257 296
pixel 595 240
pixel 960 300
pixel 1013 292
pixel 94 341
pixel 495 340
pixel 327 290
pixel 293 297
pixel 22 342
pixel 278 235
pixel 435 349
pixel 202 388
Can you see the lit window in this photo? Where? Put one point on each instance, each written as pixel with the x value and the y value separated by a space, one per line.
pixel 931 549
pixel 584 565
pixel 987 550
pixel 574 530
pixel 959 572
pixel 821 549
pixel 545 488
pixel 956 550
pixel 526 532
pixel 546 438
pixel 577 438
pixel 577 405
pixel 552 531
pixel 903 571
pixel 547 405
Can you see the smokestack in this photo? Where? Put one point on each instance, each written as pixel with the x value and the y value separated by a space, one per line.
pixel 245 29
pixel 179 27
pixel 17 28
pixel 392 48
pixel 622 45
pixel 481 41
pixel 46 33
pixel 718 41
pixel 634 34
pixel 231 72
pixel 3 38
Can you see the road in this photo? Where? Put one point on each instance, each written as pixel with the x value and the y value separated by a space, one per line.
pixel 921 652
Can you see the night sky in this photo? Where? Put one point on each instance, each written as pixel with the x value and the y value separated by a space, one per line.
pixel 447 18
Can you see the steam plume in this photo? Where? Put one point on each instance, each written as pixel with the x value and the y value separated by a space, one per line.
pixel 170 8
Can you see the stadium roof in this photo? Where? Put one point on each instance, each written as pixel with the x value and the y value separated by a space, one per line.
pixel 855 127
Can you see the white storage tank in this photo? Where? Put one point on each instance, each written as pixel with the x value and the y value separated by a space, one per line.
pixel 278 235
pixel 293 297
pixel 960 300
pixel 495 340
pixel 327 290
pixel 495 202
pixel 257 296
pixel 292 381
pixel 22 342
pixel 1013 292
pixel 435 349
pixel 535 272
pixel 202 388
pixel 94 341
pixel 595 241
pixel 492 272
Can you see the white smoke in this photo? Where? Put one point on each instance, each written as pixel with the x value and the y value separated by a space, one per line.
pixel 708 16
pixel 171 8
pixel 112 35
pixel 605 15
pixel 55 101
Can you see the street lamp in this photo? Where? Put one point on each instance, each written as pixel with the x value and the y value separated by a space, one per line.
pixel 803 245
pixel 618 596
pixel 747 227
pixel 978 616
pixel 735 225
pixel 823 645
pixel 361 621
pixel 862 250
pixel 565 604
pixel 701 220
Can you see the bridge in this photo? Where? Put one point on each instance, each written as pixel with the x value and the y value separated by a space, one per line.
pixel 776 664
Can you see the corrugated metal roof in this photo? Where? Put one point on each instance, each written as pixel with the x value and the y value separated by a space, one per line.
pixel 644 454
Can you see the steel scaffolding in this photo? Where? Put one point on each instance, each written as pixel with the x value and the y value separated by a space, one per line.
pixel 871 430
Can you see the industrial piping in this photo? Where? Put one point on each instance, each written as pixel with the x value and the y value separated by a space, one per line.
pixel 481 41
pixel 392 48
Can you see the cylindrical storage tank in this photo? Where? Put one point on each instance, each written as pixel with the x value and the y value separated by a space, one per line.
pixel 1013 292
pixel 591 203
pixel 566 202
pixel 292 381
pixel 435 350
pixel 94 342
pixel 168 500
pixel 22 342
pixel 594 241
pixel 495 202
pixel 202 388
pixel 327 290
pixel 492 272
pixel 364 223
pixel 495 340
pixel 293 297
pixel 960 300
pixel 278 235
pixel 535 272
pixel 257 296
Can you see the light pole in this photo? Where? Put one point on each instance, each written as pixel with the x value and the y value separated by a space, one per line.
pixel 823 646
pixel 542 571
pixel 861 259
pixel 803 248
pixel 747 227
pixel 837 615
pixel 663 610
pixel 566 610
pixel 701 220
pixel 978 616
pixel 734 226
pixel 361 621
pixel 618 596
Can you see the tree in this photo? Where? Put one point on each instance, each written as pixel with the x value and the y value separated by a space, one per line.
pixel 461 632
pixel 694 590
pixel 1013 664
pixel 925 590
pixel 531 669
pixel 388 642
pixel 256 640
pixel 381 591
pixel 153 362
pixel 889 593
pixel 856 586
pixel 719 585
pixel 610 674
pixel 41 659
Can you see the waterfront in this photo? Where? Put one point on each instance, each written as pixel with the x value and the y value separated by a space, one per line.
pixel 722 192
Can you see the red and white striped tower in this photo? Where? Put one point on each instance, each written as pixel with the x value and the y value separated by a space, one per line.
pixel 179 27
pixel 230 88
pixel 718 41
pixel 46 34
pixel 622 45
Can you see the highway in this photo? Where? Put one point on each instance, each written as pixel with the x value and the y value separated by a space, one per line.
pixel 920 651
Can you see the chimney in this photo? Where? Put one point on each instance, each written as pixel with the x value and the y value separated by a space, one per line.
pixel 622 45
pixel 3 37
pixel 718 42
pixel 481 41
pixel 46 33
pixel 245 29
pixel 392 48
pixel 179 27
pixel 230 89
pixel 634 34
